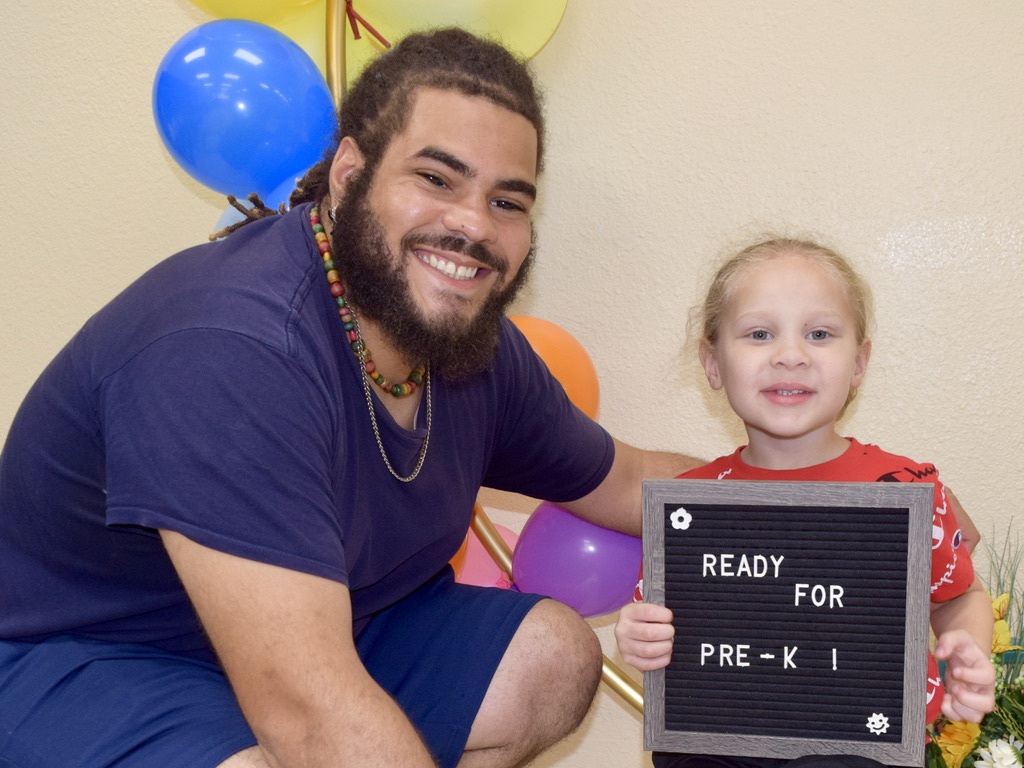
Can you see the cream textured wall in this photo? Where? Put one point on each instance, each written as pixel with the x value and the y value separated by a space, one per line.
pixel 676 127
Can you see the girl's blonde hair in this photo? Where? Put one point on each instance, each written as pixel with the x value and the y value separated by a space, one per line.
pixel 708 318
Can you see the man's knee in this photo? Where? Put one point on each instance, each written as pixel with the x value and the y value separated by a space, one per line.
pixel 541 690
pixel 565 656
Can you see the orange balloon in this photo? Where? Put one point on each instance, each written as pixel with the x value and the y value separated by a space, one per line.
pixel 459 558
pixel 566 358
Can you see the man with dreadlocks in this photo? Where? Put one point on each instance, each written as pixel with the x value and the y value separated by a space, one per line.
pixel 228 505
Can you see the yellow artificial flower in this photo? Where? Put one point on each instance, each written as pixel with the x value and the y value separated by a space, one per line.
pixel 957 741
pixel 1000 605
pixel 1001 630
pixel 1001 638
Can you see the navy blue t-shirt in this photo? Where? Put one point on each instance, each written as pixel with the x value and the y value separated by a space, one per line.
pixel 216 397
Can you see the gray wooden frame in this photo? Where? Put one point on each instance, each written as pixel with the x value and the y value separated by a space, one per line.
pixel 916 498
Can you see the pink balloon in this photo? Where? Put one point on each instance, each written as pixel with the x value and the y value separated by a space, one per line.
pixel 585 566
pixel 479 568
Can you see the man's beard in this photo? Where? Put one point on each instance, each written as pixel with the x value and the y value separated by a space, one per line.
pixel 377 286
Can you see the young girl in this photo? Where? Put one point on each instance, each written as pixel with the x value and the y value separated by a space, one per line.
pixel 784 333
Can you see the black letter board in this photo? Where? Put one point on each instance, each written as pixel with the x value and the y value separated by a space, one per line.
pixel 801 615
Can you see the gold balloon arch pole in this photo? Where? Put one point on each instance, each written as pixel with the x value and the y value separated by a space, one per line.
pixel 335 49
pixel 611 674
pixel 340 12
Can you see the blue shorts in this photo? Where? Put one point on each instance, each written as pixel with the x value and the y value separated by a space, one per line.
pixel 69 701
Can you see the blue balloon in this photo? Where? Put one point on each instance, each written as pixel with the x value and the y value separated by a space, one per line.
pixel 283 191
pixel 281 194
pixel 229 216
pixel 241 107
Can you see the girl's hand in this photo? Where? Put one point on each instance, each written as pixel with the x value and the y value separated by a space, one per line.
pixel 970 677
pixel 644 635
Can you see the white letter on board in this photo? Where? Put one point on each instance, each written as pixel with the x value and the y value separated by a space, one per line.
pixel 787 657
pixel 709 564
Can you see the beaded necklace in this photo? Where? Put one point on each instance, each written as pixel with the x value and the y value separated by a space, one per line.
pixel 350 324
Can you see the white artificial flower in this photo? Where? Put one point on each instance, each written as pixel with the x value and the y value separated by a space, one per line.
pixel 1001 754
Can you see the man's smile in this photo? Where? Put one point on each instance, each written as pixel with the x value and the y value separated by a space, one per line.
pixel 447 266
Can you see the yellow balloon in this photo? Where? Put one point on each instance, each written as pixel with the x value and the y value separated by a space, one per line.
pixel 309 31
pixel 264 11
pixel 523 26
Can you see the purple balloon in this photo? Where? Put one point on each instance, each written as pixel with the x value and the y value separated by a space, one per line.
pixel 585 566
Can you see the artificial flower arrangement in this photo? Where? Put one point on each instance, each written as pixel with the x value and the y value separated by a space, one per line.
pixel 998 741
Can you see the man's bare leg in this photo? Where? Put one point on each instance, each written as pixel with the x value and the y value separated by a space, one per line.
pixel 247 758
pixel 541 691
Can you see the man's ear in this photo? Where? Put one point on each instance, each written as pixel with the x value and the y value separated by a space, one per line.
pixel 709 360
pixel 348 160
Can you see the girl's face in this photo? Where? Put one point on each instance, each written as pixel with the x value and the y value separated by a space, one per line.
pixel 787 357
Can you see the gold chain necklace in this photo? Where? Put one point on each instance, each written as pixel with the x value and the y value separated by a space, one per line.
pixel 376 430
pixel 350 324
